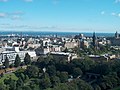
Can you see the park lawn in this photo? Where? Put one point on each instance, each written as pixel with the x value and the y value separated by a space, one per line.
pixel 6 76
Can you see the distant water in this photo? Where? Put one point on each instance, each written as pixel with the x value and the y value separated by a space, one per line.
pixel 55 33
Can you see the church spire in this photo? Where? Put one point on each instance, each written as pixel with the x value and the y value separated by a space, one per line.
pixel 94 40
pixel 116 35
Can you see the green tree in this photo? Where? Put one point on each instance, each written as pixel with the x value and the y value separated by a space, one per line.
pixel 55 80
pixel 11 65
pixel 6 63
pixel 61 86
pixel 11 83
pixel 103 86
pixel 46 83
pixel 17 61
pixel 85 64
pixel 82 85
pixel 41 58
pixel 22 76
pixel 96 87
pixel 19 88
pixel 26 79
pixel 51 70
pixel 20 82
pixel 63 77
pixel 7 87
pixel 35 86
pixel 2 86
pixel 27 59
pixel 32 71
pixel 19 72
pixel 26 88
pixel 72 86
pixel 109 81
pixel 102 69
pixel 77 72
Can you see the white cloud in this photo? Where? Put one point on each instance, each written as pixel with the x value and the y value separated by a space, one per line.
pixel 3 15
pixel 16 17
pixel 12 15
pixel 18 13
pixel 118 15
pixel 113 14
pixel 103 12
pixel 31 27
pixel 117 1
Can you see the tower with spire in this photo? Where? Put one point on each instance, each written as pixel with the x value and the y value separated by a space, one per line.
pixel 116 35
pixel 94 40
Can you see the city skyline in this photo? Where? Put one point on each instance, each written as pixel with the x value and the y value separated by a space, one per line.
pixel 60 15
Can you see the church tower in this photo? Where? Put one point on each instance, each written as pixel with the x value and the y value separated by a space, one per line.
pixel 116 35
pixel 94 40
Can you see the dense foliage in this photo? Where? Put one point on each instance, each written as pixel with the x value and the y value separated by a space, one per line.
pixel 6 62
pixel 27 59
pixel 53 73
pixel 17 61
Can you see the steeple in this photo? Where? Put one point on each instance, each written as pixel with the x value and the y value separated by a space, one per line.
pixel 116 35
pixel 21 35
pixel 94 40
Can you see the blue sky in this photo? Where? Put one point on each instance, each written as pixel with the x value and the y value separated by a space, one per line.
pixel 60 15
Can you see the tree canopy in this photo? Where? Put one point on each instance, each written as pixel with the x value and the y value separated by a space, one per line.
pixel 17 61
pixel 27 59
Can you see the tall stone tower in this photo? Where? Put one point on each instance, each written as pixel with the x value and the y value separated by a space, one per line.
pixel 94 40
pixel 116 35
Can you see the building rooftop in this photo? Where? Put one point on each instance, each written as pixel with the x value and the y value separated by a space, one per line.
pixel 60 53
